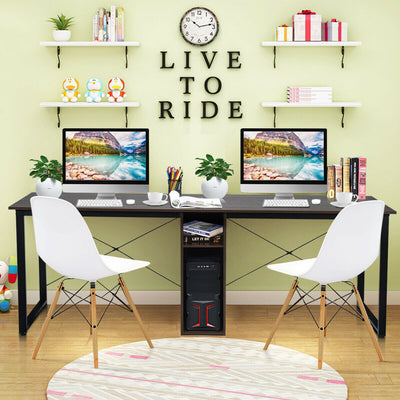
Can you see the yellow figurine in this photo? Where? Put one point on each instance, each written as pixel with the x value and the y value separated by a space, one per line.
pixel 70 93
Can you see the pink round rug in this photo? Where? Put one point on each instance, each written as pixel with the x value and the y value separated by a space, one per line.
pixel 197 368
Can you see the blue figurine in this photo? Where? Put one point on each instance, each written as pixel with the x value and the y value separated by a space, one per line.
pixel 94 93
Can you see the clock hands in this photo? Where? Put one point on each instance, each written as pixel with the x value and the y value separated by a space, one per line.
pixel 201 26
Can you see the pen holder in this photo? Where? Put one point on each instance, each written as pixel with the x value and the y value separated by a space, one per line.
pixel 175 184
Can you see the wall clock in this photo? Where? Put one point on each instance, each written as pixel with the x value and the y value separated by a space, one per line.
pixel 199 26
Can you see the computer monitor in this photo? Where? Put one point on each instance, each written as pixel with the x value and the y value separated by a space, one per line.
pixel 106 161
pixel 283 161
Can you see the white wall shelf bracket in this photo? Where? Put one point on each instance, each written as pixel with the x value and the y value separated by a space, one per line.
pixel 342 45
pixel 58 105
pixel 341 105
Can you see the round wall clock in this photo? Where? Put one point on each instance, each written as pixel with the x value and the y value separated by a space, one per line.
pixel 199 26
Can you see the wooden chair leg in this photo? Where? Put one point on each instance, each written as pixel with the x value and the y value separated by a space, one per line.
pixel 367 323
pixel 325 322
pixel 135 312
pixel 322 321
pixel 47 320
pixel 282 312
pixel 94 324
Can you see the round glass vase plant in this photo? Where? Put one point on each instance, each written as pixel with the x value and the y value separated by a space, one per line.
pixel 61 24
pixel 50 176
pixel 215 172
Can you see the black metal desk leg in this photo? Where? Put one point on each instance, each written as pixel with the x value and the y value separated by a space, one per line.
pixel 361 285
pixel 42 281
pixel 383 269
pixel 21 273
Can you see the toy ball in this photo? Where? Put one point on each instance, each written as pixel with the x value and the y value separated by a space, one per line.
pixel 94 93
pixel 116 93
pixel 4 305
pixel 70 93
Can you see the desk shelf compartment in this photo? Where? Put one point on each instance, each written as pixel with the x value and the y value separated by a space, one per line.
pixel 82 104
pixel 342 45
pixel 58 45
pixel 342 105
pixel 203 282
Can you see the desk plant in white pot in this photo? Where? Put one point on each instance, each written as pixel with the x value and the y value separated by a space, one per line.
pixel 49 174
pixel 61 23
pixel 215 172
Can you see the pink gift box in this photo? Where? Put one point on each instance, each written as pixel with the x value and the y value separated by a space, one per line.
pixel 334 31
pixel 307 27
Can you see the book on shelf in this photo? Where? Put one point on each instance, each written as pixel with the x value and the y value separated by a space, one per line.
pixel 207 229
pixel 345 163
pixel 192 239
pixel 331 194
pixel 349 176
pixel 108 26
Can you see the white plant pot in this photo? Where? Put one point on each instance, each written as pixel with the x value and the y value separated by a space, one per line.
pixel 61 36
pixel 49 187
pixel 214 188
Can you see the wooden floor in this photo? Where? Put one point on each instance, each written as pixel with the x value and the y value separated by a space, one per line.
pixel 348 348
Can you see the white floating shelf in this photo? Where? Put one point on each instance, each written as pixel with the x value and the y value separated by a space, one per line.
pixel 334 104
pixel 82 104
pixel 58 45
pixel 310 44
pixel 342 45
pixel 92 105
pixel 90 44
pixel 282 104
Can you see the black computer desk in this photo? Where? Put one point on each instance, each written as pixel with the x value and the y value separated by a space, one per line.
pixel 234 207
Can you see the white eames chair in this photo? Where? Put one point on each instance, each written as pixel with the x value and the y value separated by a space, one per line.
pixel 64 242
pixel 351 245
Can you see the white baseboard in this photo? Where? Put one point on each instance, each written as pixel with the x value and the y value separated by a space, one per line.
pixel 169 297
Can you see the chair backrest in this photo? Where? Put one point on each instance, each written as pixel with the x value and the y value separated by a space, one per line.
pixel 351 244
pixel 64 241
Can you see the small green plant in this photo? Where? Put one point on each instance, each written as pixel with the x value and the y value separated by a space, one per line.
pixel 44 169
pixel 61 23
pixel 210 167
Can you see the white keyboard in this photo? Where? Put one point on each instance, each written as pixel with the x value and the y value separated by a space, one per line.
pixel 286 203
pixel 99 203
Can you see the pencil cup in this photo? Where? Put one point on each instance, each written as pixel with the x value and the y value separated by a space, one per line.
pixel 175 184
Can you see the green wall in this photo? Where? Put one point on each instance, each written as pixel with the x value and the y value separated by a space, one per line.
pixel 30 75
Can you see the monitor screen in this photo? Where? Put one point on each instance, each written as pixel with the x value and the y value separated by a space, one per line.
pixel 106 156
pixel 284 157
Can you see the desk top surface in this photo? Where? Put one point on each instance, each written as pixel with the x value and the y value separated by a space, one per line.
pixel 231 204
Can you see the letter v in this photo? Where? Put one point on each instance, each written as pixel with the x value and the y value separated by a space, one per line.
pixel 209 63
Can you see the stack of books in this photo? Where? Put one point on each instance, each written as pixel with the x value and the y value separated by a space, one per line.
pixel 206 229
pixel 309 95
pixel 108 26
pixel 348 176
pixel 202 240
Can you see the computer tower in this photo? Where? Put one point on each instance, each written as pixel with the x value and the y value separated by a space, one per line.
pixel 203 294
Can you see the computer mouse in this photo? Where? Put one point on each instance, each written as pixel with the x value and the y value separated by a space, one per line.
pixel 316 201
pixel 130 201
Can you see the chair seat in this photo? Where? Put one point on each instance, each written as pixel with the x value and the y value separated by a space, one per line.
pixel 293 268
pixel 120 265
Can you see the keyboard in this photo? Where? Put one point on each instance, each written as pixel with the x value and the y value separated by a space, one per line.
pixel 286 203
pixel 99 203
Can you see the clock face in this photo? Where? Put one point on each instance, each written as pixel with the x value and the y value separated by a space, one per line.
pixel 199 26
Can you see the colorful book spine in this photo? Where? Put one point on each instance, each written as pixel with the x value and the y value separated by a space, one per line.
pixel 113 14
pixel 120 24
pixel 338 178
pixel 331 182
pixel 362 178
pixel 354 175
pixel 96 28
pixel 345 162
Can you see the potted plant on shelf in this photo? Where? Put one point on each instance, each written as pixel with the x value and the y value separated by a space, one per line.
pixel 61 23
pixel 50 176
pixel 215 172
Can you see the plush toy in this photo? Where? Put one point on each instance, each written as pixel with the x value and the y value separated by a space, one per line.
pixel 116 85
pixel 94 93
pixel 8 272
pixel 70 93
